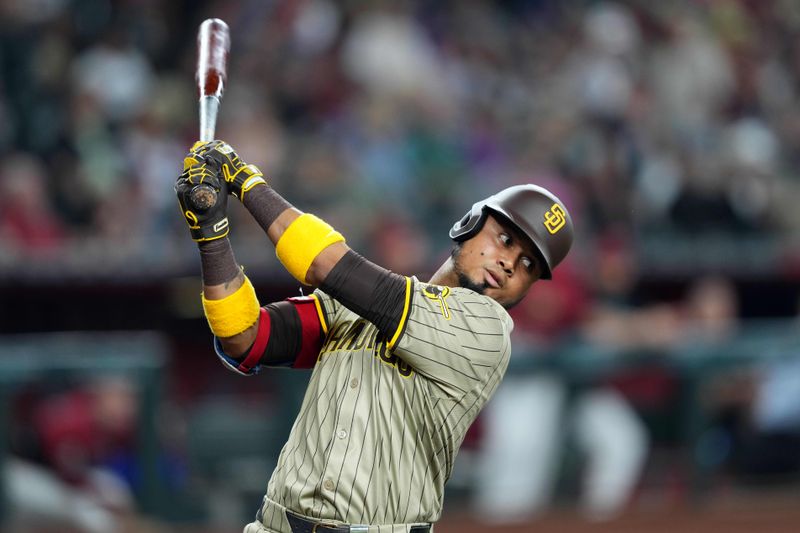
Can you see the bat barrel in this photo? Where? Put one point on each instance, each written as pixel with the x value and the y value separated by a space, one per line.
pixel 213 45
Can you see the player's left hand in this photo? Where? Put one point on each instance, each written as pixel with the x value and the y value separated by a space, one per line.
pixel 239 176
pixel 204 224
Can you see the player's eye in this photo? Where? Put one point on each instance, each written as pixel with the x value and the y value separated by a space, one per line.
pixel 527 264
pixel 505 239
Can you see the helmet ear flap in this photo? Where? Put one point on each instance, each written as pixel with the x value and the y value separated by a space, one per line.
pixel 469 224
pixel 461 224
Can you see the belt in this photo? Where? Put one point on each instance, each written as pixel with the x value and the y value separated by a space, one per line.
pixel 300 524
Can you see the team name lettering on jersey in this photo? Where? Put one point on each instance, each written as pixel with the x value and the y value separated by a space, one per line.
pixel 360 335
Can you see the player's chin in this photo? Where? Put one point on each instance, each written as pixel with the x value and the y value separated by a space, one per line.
pixel 469 283
pixel 507 296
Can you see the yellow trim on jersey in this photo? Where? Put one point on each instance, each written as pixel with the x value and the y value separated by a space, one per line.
pixel 320 314
pixel 234 313
pixel 404 316
pixel 302 242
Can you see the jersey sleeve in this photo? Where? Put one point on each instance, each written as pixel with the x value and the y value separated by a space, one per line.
pixel 289 334
pixel 327 308
pixel 454 336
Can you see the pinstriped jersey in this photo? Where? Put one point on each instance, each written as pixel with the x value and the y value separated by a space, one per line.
pixel 383 418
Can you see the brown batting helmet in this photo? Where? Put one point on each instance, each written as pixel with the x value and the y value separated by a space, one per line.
pixel 534 211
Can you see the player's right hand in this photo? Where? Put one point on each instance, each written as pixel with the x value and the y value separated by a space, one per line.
pixel 204 224
pixel 239 176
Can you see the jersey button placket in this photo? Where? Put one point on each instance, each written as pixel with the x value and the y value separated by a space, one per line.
pixel 328 484
pixel 341 435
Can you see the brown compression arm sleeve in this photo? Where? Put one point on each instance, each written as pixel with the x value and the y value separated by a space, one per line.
pixel 265 205
pixel 369 291
pixel 217 262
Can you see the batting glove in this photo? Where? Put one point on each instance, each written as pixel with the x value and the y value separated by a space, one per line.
pixel 205 224
pixel 239 176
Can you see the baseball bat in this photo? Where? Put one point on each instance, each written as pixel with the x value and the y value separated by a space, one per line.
pixel 213 45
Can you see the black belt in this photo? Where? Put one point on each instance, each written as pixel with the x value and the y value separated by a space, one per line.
pixel 303 525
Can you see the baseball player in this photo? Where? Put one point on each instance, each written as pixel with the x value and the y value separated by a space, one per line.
pixel 401 367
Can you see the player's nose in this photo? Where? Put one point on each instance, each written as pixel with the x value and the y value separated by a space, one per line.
pixel 508 259
pixel 506 264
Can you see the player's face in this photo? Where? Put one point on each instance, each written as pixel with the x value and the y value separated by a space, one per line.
pixel 499 262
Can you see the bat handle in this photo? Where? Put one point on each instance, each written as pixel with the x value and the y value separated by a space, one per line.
pixel 209 106
pixel 202 196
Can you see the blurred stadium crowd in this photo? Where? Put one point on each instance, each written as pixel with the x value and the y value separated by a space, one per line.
pixel 671 130
pixel 388 118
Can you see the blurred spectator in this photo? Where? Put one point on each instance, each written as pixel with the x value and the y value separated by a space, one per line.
pixel 710 311
pixel 140 212
pixel 754 407
pixel 532 416
pixel 689 71
pixel 400 246
pixel 29 227
pixel 389 53
pixel 616 317
pixel 617 327
pixel 115 74
pixel 73 461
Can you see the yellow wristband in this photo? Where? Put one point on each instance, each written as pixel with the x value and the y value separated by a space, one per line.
pixel 234 313
pixel 302 242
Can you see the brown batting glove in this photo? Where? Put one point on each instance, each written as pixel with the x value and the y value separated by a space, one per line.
pixel 199 183
pixel 239 176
